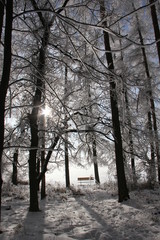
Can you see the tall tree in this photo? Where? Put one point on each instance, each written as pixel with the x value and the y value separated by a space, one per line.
pixel 37 102
pixel 5 79
pixel 122 186
pixel 66 152
pixel 157 37
pixel 149 114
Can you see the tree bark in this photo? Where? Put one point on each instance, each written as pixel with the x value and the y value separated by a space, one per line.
pixel 39 178
pixel 5 79
pixel 66 155
pixel 15 161
pixel 34 124
pixel 2 3
pixel 156 27
pixel 67 175
pixel 96 172
pixel 130 132
pixel 43 182
pixel 150 114
pixel 122 186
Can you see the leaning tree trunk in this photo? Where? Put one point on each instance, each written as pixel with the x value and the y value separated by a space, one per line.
pixel 122 186
pixel 5 79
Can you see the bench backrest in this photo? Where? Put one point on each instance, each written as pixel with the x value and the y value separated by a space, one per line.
pixel 85 178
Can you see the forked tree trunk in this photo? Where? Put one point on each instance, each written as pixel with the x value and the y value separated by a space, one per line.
pixel 49 154
pixel 5 80
pixel 122 186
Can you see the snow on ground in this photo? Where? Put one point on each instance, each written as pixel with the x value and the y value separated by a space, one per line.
pixel 88 213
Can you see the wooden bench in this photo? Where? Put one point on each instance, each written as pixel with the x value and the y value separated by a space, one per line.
pixel 85 180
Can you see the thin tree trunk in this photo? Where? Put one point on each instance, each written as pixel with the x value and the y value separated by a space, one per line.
pixel 122 186
pixel 5 80
pixel 15 162
pixel 96 172
pixel 92 135
pixel 49 154
pixel 67 175
pixel 131 148
pixel 67 162
pixel 149 114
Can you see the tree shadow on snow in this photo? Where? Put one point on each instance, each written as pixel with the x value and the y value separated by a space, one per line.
pixel 29 227
pixel 104 231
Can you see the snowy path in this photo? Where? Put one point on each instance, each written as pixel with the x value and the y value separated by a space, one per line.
pixel 95 215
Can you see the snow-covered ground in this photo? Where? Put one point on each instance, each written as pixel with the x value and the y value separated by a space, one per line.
pixel 84 213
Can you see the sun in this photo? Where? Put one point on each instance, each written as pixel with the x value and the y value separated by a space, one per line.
pixel 46 111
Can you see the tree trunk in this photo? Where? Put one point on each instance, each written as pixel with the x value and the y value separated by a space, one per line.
pixel 131 148
pixel 96 172
pixel 156 27
pixel 130 133
pixel 67 162
pixel 149 114
pixel 122 186
pixel 67 175
pixel 15 161
pixel 34 207
pixel 39 178
pixel 5 79
pixel 2 2
pixel 42 145
pixel 34 124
